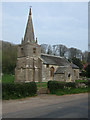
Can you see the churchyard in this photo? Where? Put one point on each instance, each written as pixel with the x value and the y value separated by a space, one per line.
pixel 60 75
pixel 7 78
pixel 11 90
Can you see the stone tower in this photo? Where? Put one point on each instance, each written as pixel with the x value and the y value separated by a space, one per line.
pixel 29 64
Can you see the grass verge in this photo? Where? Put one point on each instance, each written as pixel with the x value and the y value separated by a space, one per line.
pixel 60 92
pixel 7 78
pixel 81 81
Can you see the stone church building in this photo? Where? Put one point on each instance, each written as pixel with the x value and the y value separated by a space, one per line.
pixel 32 65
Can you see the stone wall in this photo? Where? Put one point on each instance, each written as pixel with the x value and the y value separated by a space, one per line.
pixel 30 67
pixel 76 74
pixel 46 72
pixel 66 76
pixel 25 72
pixel 59 77
pixel 20 75
pixel 28 49
pixel 20 52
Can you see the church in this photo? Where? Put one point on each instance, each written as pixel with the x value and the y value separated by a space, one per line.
pixel 34 66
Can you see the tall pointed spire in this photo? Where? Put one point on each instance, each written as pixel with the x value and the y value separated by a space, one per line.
pixel 29 33
pixel 30 11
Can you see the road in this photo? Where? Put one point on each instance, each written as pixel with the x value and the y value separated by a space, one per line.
pixel 47 106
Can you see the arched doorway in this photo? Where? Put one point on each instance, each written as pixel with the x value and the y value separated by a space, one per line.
pixel 69 77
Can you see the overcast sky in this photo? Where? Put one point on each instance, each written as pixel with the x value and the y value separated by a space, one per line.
pixel 54 23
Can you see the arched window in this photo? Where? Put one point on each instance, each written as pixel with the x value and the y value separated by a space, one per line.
pixel 69 75
pixel 74 72
pixel 21 50
pixel 52 71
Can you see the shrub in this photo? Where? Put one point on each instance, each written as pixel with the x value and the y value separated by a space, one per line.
pixel 87 83
pixel 54 85
pixel 17 90
pixel 71 84
pixel 88 71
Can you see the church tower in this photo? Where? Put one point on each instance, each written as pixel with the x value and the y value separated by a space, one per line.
pixel 29 64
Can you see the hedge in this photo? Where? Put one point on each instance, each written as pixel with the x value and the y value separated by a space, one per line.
pixel 17 90
pixel 55 85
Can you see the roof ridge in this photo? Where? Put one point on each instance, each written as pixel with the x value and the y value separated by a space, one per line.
pixel 51 55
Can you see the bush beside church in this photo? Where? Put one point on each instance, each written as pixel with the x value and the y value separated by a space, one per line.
pixel 56 85
pixel 17 90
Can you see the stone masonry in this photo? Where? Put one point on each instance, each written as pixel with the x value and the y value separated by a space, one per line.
pixel 29 64
pixel 34 66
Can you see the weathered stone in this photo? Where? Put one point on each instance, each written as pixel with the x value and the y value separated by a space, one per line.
pixel 34 66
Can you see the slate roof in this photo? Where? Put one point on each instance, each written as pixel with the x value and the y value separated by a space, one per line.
pixel 74 66
pixel 54 60
pixel 60 61
pixel 61 70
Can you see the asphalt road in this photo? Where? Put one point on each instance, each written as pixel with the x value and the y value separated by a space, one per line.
pixel 47 106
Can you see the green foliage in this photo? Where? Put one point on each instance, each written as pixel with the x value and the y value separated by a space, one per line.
pixel 71 91
pixel 9 56
pixel 16 90
pixel 86 82
pixel 43 84
pixel 53 86
pixel 8 78
pixel 88 71
pixel 79 81
pixel 83 73
pixel 70 84
pixel 77 62
pixel 68 88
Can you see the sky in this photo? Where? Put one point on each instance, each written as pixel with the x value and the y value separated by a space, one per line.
pixel 54 23
pixel 89 27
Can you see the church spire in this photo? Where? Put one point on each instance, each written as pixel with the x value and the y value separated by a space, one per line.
pixel 30 11
pixel 29 33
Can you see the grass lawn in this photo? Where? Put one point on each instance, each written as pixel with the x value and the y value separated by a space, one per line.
pixel 43 84
pixel 81 81
pixel 7 78
pixel 60 92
